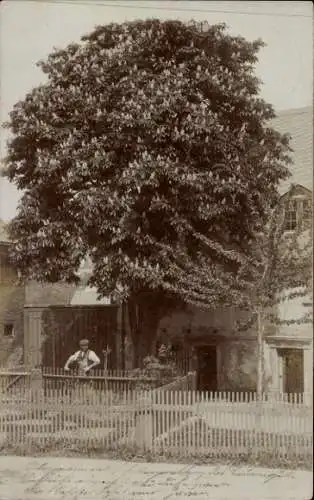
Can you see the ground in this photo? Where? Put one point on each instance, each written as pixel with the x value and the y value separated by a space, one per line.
pixel 55 478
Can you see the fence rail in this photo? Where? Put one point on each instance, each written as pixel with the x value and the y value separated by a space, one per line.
pixel 181 422
pixel 118 381
pixel 184 383
pixel 60 380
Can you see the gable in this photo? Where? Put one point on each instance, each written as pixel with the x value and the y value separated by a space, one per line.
pixel 296 191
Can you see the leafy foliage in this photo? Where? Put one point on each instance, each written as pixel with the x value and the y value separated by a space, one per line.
pixel 149 150
pixel 282 268
pixel 161 367
pixel 280 273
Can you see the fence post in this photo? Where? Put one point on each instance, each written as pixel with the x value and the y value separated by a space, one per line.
pixel 192 381
pixel 144 423
pixel 36 384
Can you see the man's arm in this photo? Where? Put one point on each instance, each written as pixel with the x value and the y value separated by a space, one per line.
pixel 70 360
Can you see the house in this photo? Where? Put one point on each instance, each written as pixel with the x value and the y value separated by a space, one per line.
pixel 20 305
pixel 41 323
pixel 289 351
pixel 11 306
pixel 226 359
pixel 39 297
pixel 57 315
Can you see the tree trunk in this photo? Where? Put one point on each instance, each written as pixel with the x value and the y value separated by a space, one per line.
pixel 144 317
pixel 260 376
pixel 144 339
pixel 260 355
pixel 123 334
pixel 143 345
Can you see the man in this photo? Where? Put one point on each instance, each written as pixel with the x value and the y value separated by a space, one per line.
pixel 85 359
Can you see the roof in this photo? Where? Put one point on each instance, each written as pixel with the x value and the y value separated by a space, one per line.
pixel 88 296
pixel 299 124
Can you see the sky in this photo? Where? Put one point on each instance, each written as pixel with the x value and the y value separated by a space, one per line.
pixel 29 30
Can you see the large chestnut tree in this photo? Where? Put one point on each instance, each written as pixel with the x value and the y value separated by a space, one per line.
pixel 149 150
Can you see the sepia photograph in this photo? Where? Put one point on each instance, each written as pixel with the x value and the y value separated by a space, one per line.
pixel 156 250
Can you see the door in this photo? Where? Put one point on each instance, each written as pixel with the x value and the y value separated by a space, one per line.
pixel 293 371
pixel 292 376
pixel 207 368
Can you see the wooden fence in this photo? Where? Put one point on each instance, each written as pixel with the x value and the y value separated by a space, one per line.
pixel 230 424
pixel 151 403
pixel 177 422
pixel 13 378
pixel 184 383
pixel 117 381
pixel 60 382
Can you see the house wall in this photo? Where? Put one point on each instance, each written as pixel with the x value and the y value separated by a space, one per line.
pixel 238 366
pixel 297 336
pixel 291 336
pixel 11 310
pixel 13 298
pixel 292 310
pixel 236 350
pixel 48 294
pixel 38 297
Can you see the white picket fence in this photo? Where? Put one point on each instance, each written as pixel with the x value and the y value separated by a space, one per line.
pixel 180 422
pixel 230 424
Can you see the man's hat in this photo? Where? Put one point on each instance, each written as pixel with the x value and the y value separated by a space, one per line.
pixel 84 342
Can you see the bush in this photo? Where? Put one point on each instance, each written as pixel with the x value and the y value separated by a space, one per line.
pixel 161 368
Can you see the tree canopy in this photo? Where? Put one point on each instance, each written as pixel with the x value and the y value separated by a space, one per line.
pixel 148 149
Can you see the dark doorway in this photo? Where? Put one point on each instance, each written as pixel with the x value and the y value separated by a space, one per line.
pixel 207 368
pixel 293 381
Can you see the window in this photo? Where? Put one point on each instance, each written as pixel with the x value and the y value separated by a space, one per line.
pixel 307 213
pixel 298 214
pixel 291 216
pixel 8 330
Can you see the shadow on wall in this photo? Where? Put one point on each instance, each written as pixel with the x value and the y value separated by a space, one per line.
pixel 239 366
pixel 239 362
